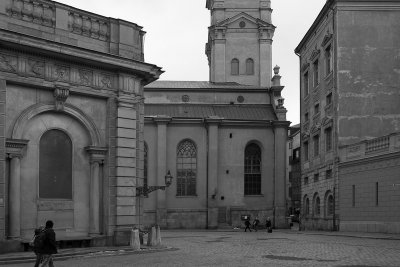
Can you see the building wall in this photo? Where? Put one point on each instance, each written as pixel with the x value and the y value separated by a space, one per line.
pixel 190 212
pixel 368 72
pixel 369 186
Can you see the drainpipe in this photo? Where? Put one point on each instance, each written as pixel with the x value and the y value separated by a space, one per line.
pixel 207 152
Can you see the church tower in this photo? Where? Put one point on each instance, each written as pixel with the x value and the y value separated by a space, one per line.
pixel 239 47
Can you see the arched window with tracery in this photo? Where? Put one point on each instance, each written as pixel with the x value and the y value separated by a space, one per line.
pixel 186 168
pixel 235 66
pixel 250 66
pixel 145 165
pixel 55 165
pixel 252 170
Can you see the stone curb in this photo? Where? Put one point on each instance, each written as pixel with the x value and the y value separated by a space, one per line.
pixel 98 252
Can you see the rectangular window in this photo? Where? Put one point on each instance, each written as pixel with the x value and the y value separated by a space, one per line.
pixel 329 99
pixel 306 117
pixel 306 84
pixel 316 145
pixel 316 72
pixel 353 195
pixel 316 108
pixel 328 174
pixel 328 60
pixel 376 194
pixel 328 139
pixel 305 180
pixel 306 156
pixel 316 177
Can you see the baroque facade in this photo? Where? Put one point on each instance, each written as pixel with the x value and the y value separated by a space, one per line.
pixel 224 140
pixel 349 62
pixel 72 116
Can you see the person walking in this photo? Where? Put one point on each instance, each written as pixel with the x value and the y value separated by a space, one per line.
pixel 255 223
pixel 49 247
pixel 247 224
pixel 268 225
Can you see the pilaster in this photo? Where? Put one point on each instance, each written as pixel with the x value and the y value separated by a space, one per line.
pixel 161 210
pixel 265 40
pixel 213 180
pixel 15 150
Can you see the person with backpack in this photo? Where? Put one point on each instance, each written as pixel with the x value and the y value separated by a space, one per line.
pixel 255 223
pixel 268 225
pixel 36 243
pixel 48 246
pixel 247 224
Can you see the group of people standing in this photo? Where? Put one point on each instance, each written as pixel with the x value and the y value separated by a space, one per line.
pixel 256 223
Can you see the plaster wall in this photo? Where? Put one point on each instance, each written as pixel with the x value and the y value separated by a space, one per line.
pixel 368 74
pixel 370 213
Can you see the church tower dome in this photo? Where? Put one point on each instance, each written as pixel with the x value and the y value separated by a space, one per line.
pixel 239 47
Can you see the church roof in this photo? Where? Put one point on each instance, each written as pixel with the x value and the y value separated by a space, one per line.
pixel 230 112
pixel 198 85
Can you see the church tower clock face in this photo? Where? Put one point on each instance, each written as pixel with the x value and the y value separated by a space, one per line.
pixel 239 47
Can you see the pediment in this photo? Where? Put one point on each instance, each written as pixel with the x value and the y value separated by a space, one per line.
pixel 250 21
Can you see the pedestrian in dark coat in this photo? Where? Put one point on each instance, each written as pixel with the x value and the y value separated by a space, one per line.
pixel 268 225
pixel 247 224
pixel 49 246
pixel 255 223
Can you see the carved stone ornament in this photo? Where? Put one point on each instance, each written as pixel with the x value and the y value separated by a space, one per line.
pixel 15 148
pixel 106 81
pixel 61 73
pixel 35 68
pixel 85 77
pixel 327 121
pixel 315 129
pixel 8 63
pixel 266 33
pixel 305 136
pixel 60 96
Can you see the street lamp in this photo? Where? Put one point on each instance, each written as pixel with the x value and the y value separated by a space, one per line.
pixel 145 190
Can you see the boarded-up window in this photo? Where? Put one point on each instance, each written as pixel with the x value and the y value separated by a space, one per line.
pixel 186 168
pixel 55 165
pixel 250 66
pixel 252 170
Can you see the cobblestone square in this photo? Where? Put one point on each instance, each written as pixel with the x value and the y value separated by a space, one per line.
pixel 239 248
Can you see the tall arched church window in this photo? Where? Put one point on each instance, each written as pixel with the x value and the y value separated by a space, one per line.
pixel 252 170
pixel 235 66
pixel 250 66
pixel 145 165
pixel 186 168
pixel 55 165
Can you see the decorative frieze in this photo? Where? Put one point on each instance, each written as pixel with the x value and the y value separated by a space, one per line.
pixel 36 11
pixel 61 73
pixel 85 77
pixel 89 26
pixel 35 68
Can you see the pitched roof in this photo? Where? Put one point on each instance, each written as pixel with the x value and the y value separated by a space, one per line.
pixel 230 112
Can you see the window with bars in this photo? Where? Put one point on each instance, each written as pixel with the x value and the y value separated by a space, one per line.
pixel 145 167
pixel 252 170
pixel 186 169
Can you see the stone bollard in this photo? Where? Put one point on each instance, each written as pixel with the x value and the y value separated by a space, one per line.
pixel 158 236
pixel 135 241
pixel 151 239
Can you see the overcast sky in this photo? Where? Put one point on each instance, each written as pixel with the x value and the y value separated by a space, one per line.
pixel 177 34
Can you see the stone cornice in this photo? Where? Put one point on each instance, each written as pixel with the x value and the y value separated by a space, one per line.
pixel 162 119
pixel 60 51
pixel 97 154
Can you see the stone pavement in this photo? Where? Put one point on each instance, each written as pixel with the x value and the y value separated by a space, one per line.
pixel 237 248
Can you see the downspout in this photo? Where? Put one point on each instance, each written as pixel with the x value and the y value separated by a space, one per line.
pixel 207 177
pixel 273 181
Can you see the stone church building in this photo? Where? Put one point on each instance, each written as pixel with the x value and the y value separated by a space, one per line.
pixel 223 140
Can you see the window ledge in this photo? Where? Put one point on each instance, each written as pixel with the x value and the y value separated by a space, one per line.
pixel 192 196
pixel 261 195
